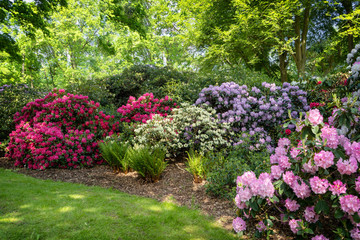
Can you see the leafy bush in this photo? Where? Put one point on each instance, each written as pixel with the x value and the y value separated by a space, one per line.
pixel 255 110
pixel 113 151
pixel 59 130
pixel 225 167
pixel 313 181
pixel 12 99
pixel 148 162
pixel 145 107
pixel 158 132
pixel 199 129
pixel 196 165
pixel 140 79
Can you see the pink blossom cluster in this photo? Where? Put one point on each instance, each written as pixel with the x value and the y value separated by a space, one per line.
pixel 303 172
pixel 330 136
pixel 350 204
pixel 310 214
pixel 249 186
pixel 239 224
pixel 318 185
pixel 314 116
pixel 60 130
pixel 145 107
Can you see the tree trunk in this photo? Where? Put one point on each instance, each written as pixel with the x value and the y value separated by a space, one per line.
pixel 301 38
pixel 347 4
pixel 283 65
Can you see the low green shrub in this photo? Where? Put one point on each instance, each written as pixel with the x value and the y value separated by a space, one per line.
pixel 224 167
pixel 148 162
pixel 12 99
pixel 113 151
pixel 196 165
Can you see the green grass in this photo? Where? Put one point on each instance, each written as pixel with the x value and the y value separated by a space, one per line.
pixel 36 209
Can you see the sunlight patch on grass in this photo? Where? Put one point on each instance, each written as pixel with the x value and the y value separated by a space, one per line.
pixel 10 220
pixel 76 196
pixel 65 209
pixel 25 206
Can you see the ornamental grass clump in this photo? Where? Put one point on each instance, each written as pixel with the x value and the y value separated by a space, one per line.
pixel 145 107
pixel 148 162
pixel 256 110
pixel 59 130
pixel 196 165
pixel 313 181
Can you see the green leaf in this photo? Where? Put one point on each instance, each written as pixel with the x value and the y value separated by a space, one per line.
pixel 356 218
pixel 338 213
pixel 322 207
pixel 315 129
pixel 254 206
pixel 309 231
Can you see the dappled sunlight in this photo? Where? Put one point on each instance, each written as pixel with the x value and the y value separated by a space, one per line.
pixel 76 196
pixel 25 206
pixel 10 220
pixel 92 210
pixel 65 209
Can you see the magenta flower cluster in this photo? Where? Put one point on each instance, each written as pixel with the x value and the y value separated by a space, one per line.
pixel 59 130
pixel 145 107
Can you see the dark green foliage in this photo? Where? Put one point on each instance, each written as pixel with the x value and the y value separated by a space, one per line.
pixel 148 162
pixel 224 168
pixel 12 99
pixel 140 79
pixel 113 151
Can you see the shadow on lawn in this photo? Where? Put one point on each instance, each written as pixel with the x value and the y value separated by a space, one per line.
pixel 37 209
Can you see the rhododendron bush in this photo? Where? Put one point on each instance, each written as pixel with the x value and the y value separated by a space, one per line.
pixel 145 107
pixel 59 130
pixel 255 111
pixel 313 186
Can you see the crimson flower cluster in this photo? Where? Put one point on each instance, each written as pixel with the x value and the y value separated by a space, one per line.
pixel 145 107
pixel 59 130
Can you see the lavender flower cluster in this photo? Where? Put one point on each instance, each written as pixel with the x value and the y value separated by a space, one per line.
pixel 353 59
pixel 256 111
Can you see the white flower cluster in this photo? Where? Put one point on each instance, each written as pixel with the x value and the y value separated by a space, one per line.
pixel 157 132
pixel 200 129
pixel 351 56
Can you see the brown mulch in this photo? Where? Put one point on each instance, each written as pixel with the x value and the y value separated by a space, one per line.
pixel 176 185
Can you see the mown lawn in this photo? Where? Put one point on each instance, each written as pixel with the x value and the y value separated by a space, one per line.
pixel 36 209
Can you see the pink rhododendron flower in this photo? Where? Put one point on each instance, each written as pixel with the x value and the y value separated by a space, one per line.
pixel 309 168
pixel 289 178
pixel 357 184
pixel 319 237
pixel 261 226
pixel 315 117
pixel 239 225
pixel 337 188
pixel 310 215
pixel 291 205
pixel 329 134
pixel 350 204
pixel 294 225
pixel 284 162
pixel 301 190
pixel 347 167
pixel 355 233
pixel 319 186
pixel 324 159
pixel 276 171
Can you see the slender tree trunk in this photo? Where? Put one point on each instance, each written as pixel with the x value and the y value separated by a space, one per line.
pixel 347 4
pixel 301 29
pixel 283 66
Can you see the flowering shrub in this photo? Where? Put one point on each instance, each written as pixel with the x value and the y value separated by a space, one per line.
pixel 199 129
pixel 312 182
pixel 145 107
pixel 256 110
pixel 59 130
pixel 158 132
